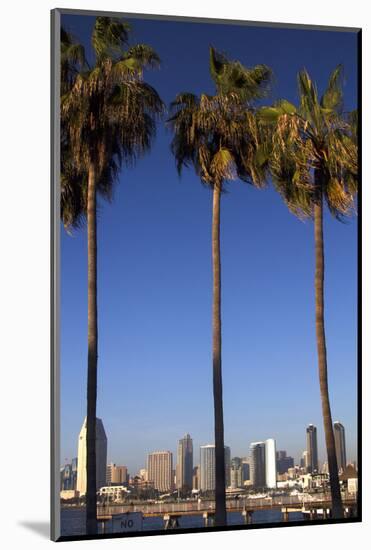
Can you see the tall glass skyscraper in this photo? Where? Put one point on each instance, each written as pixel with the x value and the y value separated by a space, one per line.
pixel 184 468
pixel 257 464
pixel 341 457
pixel 312 449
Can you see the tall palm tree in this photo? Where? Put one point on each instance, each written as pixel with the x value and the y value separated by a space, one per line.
pixel 210 134
pixel 108 118
pixel 313 160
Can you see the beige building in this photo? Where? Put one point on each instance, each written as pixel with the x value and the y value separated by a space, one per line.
pixel 196 478
pixel 101 457
pixel 69 494
pixel 117 475
pixel 160 470
pixel 143 474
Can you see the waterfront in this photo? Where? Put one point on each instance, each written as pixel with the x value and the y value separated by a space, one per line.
pixel 73 520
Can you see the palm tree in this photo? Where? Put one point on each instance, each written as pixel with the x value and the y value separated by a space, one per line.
pixel 210 134
pixel 313 160
pixel 108 119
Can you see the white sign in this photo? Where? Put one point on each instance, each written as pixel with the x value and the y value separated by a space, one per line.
pixel 123 523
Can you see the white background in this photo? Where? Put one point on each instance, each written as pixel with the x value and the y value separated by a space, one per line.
pixel 24 271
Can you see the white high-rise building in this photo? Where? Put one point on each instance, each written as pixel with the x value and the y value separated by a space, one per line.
pixel 207 467
pixel 101 457
pixel 160 470
pixel 270 464
pixel 143 474
pixel 305 461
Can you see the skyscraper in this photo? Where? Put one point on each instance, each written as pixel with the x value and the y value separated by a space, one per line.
pixel 341 456
pixel 284 462
pixel 74 473
pixel 184 469
pixel 196 478
pixel 66 477
pixel 227 461
pixel 257 464
pixel 270 464
pixel 116 475
pixel 245 467
pixel 304 461
pixel 207 467
pixel 101 457
pixel 236 472
pixel 312 449
pixel 160 470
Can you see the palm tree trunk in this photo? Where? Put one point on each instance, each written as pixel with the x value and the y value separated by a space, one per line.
pixel 220 504
pixel 337 509
pixel 91 489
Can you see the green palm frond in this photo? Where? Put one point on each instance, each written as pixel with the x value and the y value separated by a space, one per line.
pixel 310 108
pixel 109 37
pixel 144 55
pixel 315 137
pixel 108 118
pixel 352 120
pixel 222 166
pixel 249 84
pixel 332 99
pixel 73 60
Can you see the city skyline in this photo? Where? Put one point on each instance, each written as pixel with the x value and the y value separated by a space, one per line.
pixel 277 451
pixel 141 331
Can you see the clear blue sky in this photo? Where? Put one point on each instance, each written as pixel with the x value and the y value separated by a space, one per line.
pixel 154 268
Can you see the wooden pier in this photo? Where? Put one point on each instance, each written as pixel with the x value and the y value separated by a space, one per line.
pixel 171 512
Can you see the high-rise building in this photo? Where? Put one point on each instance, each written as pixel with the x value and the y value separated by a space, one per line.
pixel 101 457
pixel 207 467
pixel 227 460
pixel 66 478
pixel 184 468
pixel 160 470
pixel 236 473
pixel 312 449
pixel 143 474
pixel 281 454
pixel 284 462
pixel 116 475
pixel 257 464
pixel 196 478
pixel 245 467
pixel 341 457
pixel 74 473
pixel 109 474
pixel 270 464
pixel 304 461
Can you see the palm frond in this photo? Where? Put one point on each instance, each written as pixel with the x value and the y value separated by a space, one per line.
pixel 108 117
pixel 249 84
pixel 109 36
pixel 316 137
pixel 332 98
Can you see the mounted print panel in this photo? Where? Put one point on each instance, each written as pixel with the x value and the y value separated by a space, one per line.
pixel 205 193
